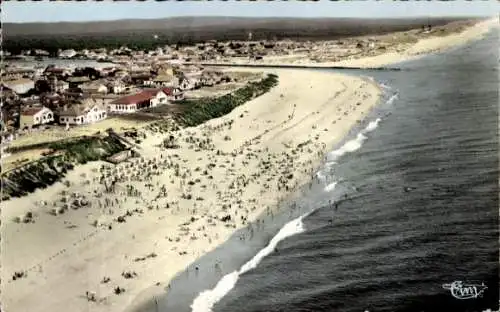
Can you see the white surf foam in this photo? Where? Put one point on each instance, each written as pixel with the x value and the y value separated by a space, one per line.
pixel 384 86
pixel 205 300
pixel 329 164
pixel 348 147
pixel 354 144
pixel 330 187
pixel 208 298
pixel 394 97
pixel 372 125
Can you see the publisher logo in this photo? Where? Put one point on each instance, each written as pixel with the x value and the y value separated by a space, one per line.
pixel 461 290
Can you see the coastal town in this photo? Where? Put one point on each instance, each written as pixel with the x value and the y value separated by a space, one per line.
pixel 122 167
pixel 55 100
pixel 38 95
pixel 70 97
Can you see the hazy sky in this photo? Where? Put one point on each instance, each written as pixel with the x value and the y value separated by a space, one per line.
pixel 45 11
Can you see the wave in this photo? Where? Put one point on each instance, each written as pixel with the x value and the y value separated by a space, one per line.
pixel 207 299
pixel 330 187
pixel 394 97
pixel 381 84
pixel 384 86
pixel 330 164
pixel 372 125
pixel 354 144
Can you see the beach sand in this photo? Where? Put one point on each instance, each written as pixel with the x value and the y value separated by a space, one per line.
pixel 65 255
pixel 423 47
pixel 400 52
pixel 166 210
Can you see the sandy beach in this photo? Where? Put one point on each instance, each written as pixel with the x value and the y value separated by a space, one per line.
pixel 171 206
pixel 249 163
pixel 423 47
pixel 399 52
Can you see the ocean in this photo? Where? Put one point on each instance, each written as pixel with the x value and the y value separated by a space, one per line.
pixel 403 215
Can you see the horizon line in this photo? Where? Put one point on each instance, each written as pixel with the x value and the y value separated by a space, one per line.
pixel 260 17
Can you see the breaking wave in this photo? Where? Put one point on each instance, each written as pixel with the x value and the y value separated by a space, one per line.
pixel 207 299
pixel 354 144
pixel 394 97
pixel 330 187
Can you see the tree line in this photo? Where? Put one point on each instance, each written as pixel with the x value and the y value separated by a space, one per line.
pixel 53 44
pixel 149 39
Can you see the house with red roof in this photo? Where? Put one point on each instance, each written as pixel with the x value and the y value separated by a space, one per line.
pixel 132 103
pixel 34 116
pixel 173 93
pixel 158 96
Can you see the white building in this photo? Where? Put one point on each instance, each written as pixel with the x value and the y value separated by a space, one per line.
pixel 95 113
pixel 188 82
pixel 87 112
pixel 67 53
pixel 146 99
pixel 173 94
pixel 116 87
pixel 164 81
pixel 122 108
pixel 35 116
pixel 158 97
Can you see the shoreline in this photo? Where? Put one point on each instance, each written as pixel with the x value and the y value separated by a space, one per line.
pixel 234 253
pixel 295 66
pixel 90 246
pixel 80 252
pixel 366 63
pixel 421 48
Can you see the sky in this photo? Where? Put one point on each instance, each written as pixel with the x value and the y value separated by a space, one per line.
pixel 45 11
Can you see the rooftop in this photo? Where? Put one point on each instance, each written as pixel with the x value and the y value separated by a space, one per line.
pixel 32 111
pixel 80 109
pixel 164 78
pixel 135 98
